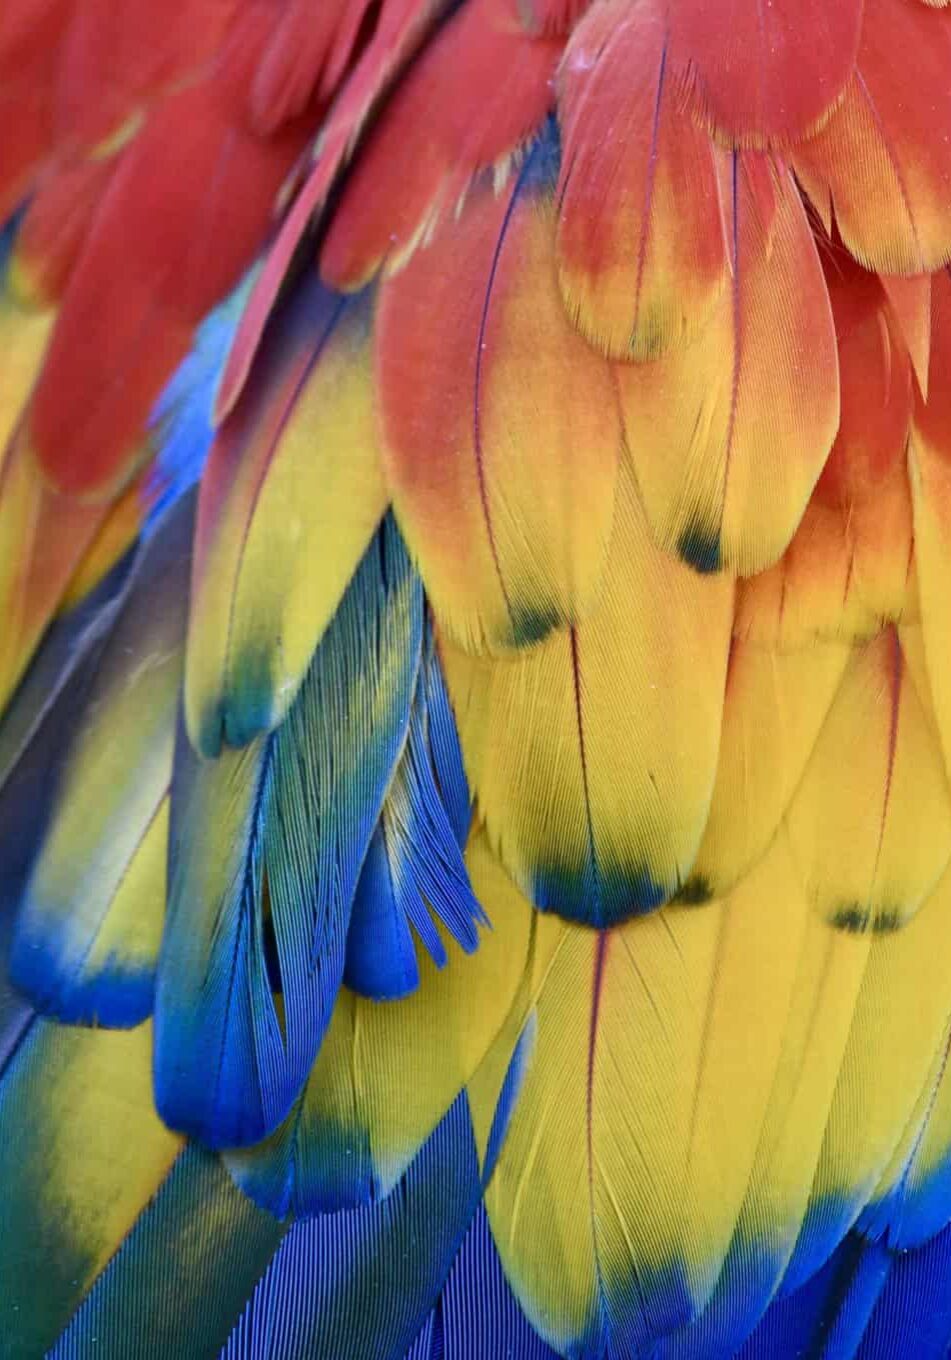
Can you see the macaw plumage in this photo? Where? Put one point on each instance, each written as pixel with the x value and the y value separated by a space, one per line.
pixel 475 675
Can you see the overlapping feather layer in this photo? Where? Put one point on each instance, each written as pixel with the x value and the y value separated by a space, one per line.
pixel 509 769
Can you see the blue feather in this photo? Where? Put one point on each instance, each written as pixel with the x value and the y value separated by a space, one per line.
pixel 360 1283
pixel 182 1275
pixel 181 421
pixel 273 838
pixel 415 871
pixel 444 745
pixel 828 1315
pixel 381 956
pixel 477 1317
pixel 913 1315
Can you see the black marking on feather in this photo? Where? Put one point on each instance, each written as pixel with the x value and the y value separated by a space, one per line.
pixel 532 625
pixel 696 892
pixel 700 549
pixel 856 919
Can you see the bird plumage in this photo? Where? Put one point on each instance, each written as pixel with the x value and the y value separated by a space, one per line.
pixel 476 680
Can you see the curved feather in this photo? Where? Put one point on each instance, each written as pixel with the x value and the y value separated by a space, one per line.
pixel 448 119
pixel 758 75
pixel 146 278
pixel 875 783
pixel 402 26
pixel 413 873
pixel 361 1282
pixel 773 711
pixel 629 1150
pixel 62 1216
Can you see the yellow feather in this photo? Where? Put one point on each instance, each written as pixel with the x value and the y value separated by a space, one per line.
pixel 388 1072
pixel 897 1032
pixel 592 757
pixel 23 337
pixel 77 1107
pixel 775 705
pixel 871 821
pixel 631 1145
pixel 281 532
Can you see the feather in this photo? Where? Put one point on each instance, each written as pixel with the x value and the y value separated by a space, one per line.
pixel 62 1216
pixel 116 58
pixel 271 838
pixel 910 301
pixel 477 1316
pixel 43 538
pixel 54 230
pixel 704 424
pixel 773 710
pixel 875 782
pixel 829 1316
pixel 812 1022
pixel 147 276
pixel 913 1307
pixel 199 1243
pixel 756 75
pixel 625 1164
pixel 912 1200
pixel 23 336
pixel 355 1132
pixel 304 56
pixel 883 156
pixel 597 810
pixel 444 744
pixel 848 567
pixel 361 1282
pixel 500 430
pixel 642 254
pixel 89 925
pixel 180 429
pixel 413 872
pixel 898 1029
pixel 448 119
pixel 292 495
pixel 402 27
pixel 929 461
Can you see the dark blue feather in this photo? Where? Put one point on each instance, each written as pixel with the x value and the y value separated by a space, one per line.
pixel 360 1283
pixel 477 1317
